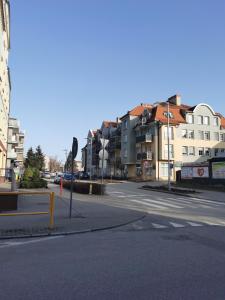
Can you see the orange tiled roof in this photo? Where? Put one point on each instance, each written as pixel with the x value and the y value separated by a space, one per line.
pixel 138 110
pixel 161 110
pixel 222 122
pixel 106 124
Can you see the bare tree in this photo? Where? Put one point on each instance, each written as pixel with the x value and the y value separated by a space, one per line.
pixel 55 165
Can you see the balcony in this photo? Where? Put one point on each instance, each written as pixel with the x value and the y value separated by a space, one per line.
pixel 12 139
pixel 13 123
pixel 144 156
pixel 11 155
pixel 146 138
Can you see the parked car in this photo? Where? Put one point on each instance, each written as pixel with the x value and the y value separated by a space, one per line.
pixel 58 178
pixel 68 176
pixel 46 175
pixel 84 175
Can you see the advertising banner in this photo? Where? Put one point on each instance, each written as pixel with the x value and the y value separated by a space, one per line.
pixel 201 172
pixel 186 173
pixel 218 170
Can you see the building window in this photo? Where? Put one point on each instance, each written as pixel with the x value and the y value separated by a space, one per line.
pixel 190 119
pixel 200 120
pixel 184 150
pixel 201 135
pixel 206 120
pixel 216 152
pixel 221 137
pixel 168 115
pixel 207 151
pixel 170 133
pixel 216 136
pixel 125 153
pixel 164 169
pixel 191 150
pixel 170 151
pixel 125 124
pixel 191 134
pixel 200 151
pixel 215 121
pixel 184 133
pixel 207 135
pixel 125 138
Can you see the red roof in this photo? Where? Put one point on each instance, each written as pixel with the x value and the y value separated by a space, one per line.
pixel 161 114
pixel 107 124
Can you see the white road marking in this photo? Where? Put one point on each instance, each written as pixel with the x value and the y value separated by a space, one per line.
pixel 148 204
pixel 13 244
pixel 159 226
pixel 163 203
pixel 194 224
pixel 177 225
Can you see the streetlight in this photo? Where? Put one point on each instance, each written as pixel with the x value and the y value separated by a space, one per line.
pixel 168 139
pixel 168 142
pixel 90 186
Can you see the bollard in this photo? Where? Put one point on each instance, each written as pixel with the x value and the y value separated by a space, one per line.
pixel 61 186
pixel 51 209
pixel 90 189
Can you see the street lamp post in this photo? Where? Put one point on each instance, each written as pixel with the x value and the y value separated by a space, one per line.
pixel 168 142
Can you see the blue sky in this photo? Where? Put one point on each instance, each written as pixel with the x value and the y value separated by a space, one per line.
pixel 76 63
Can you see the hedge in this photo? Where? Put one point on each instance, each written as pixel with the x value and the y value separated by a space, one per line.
pixel 30 184
pixel 84 187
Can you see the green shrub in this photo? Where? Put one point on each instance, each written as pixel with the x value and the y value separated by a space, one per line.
pixel 33 184
pixel 84 187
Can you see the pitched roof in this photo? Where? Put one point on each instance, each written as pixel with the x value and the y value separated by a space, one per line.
pixel 222 122
pixel 107 124
pixel 137 110
pixel 161 114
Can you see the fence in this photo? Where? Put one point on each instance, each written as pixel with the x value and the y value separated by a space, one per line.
pixel 50 211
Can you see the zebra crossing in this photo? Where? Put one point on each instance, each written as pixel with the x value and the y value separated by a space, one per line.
pixel 175 224
pixel 164 203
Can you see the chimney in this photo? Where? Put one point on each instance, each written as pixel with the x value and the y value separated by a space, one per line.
pixel 176 99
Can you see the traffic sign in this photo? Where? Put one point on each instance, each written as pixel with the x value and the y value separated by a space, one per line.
pixel 74 148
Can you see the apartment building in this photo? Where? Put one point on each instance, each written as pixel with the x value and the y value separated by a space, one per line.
pixel 15 150
pixel 128 140
pixel 195 134
pixel 4 82
pixel 152 137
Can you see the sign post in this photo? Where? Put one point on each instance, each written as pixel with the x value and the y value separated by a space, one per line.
pixel 73 156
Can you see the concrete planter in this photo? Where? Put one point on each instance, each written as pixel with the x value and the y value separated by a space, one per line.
pixel 8 201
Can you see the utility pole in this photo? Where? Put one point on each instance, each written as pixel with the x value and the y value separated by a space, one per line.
pixel 168 142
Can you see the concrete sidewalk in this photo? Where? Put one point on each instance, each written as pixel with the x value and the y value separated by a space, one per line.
pixel 88 214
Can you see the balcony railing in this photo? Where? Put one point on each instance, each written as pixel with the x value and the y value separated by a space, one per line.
pixel 14 123
pixel 146 138
pixel 11 155
pixel 145 156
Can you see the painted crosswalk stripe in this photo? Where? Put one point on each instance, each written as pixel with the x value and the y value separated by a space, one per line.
pixel 148 204
pixel 163 203
pixel 159 226
pixel 177 224
pixel 194 224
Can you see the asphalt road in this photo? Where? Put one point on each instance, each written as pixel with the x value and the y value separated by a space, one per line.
pixel 176 252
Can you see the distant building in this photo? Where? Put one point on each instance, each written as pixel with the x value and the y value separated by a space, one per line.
pixel 5 85
pixel 47 161
pixel 15 143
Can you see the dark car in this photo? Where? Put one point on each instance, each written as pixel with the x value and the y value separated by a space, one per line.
pixel 84 175
pixel 68 176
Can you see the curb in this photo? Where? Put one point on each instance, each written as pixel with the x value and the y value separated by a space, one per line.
pixel 65 233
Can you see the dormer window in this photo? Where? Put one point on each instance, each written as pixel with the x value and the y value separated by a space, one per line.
pixel 168 115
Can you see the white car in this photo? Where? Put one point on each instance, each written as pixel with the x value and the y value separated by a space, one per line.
pixel 58 178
